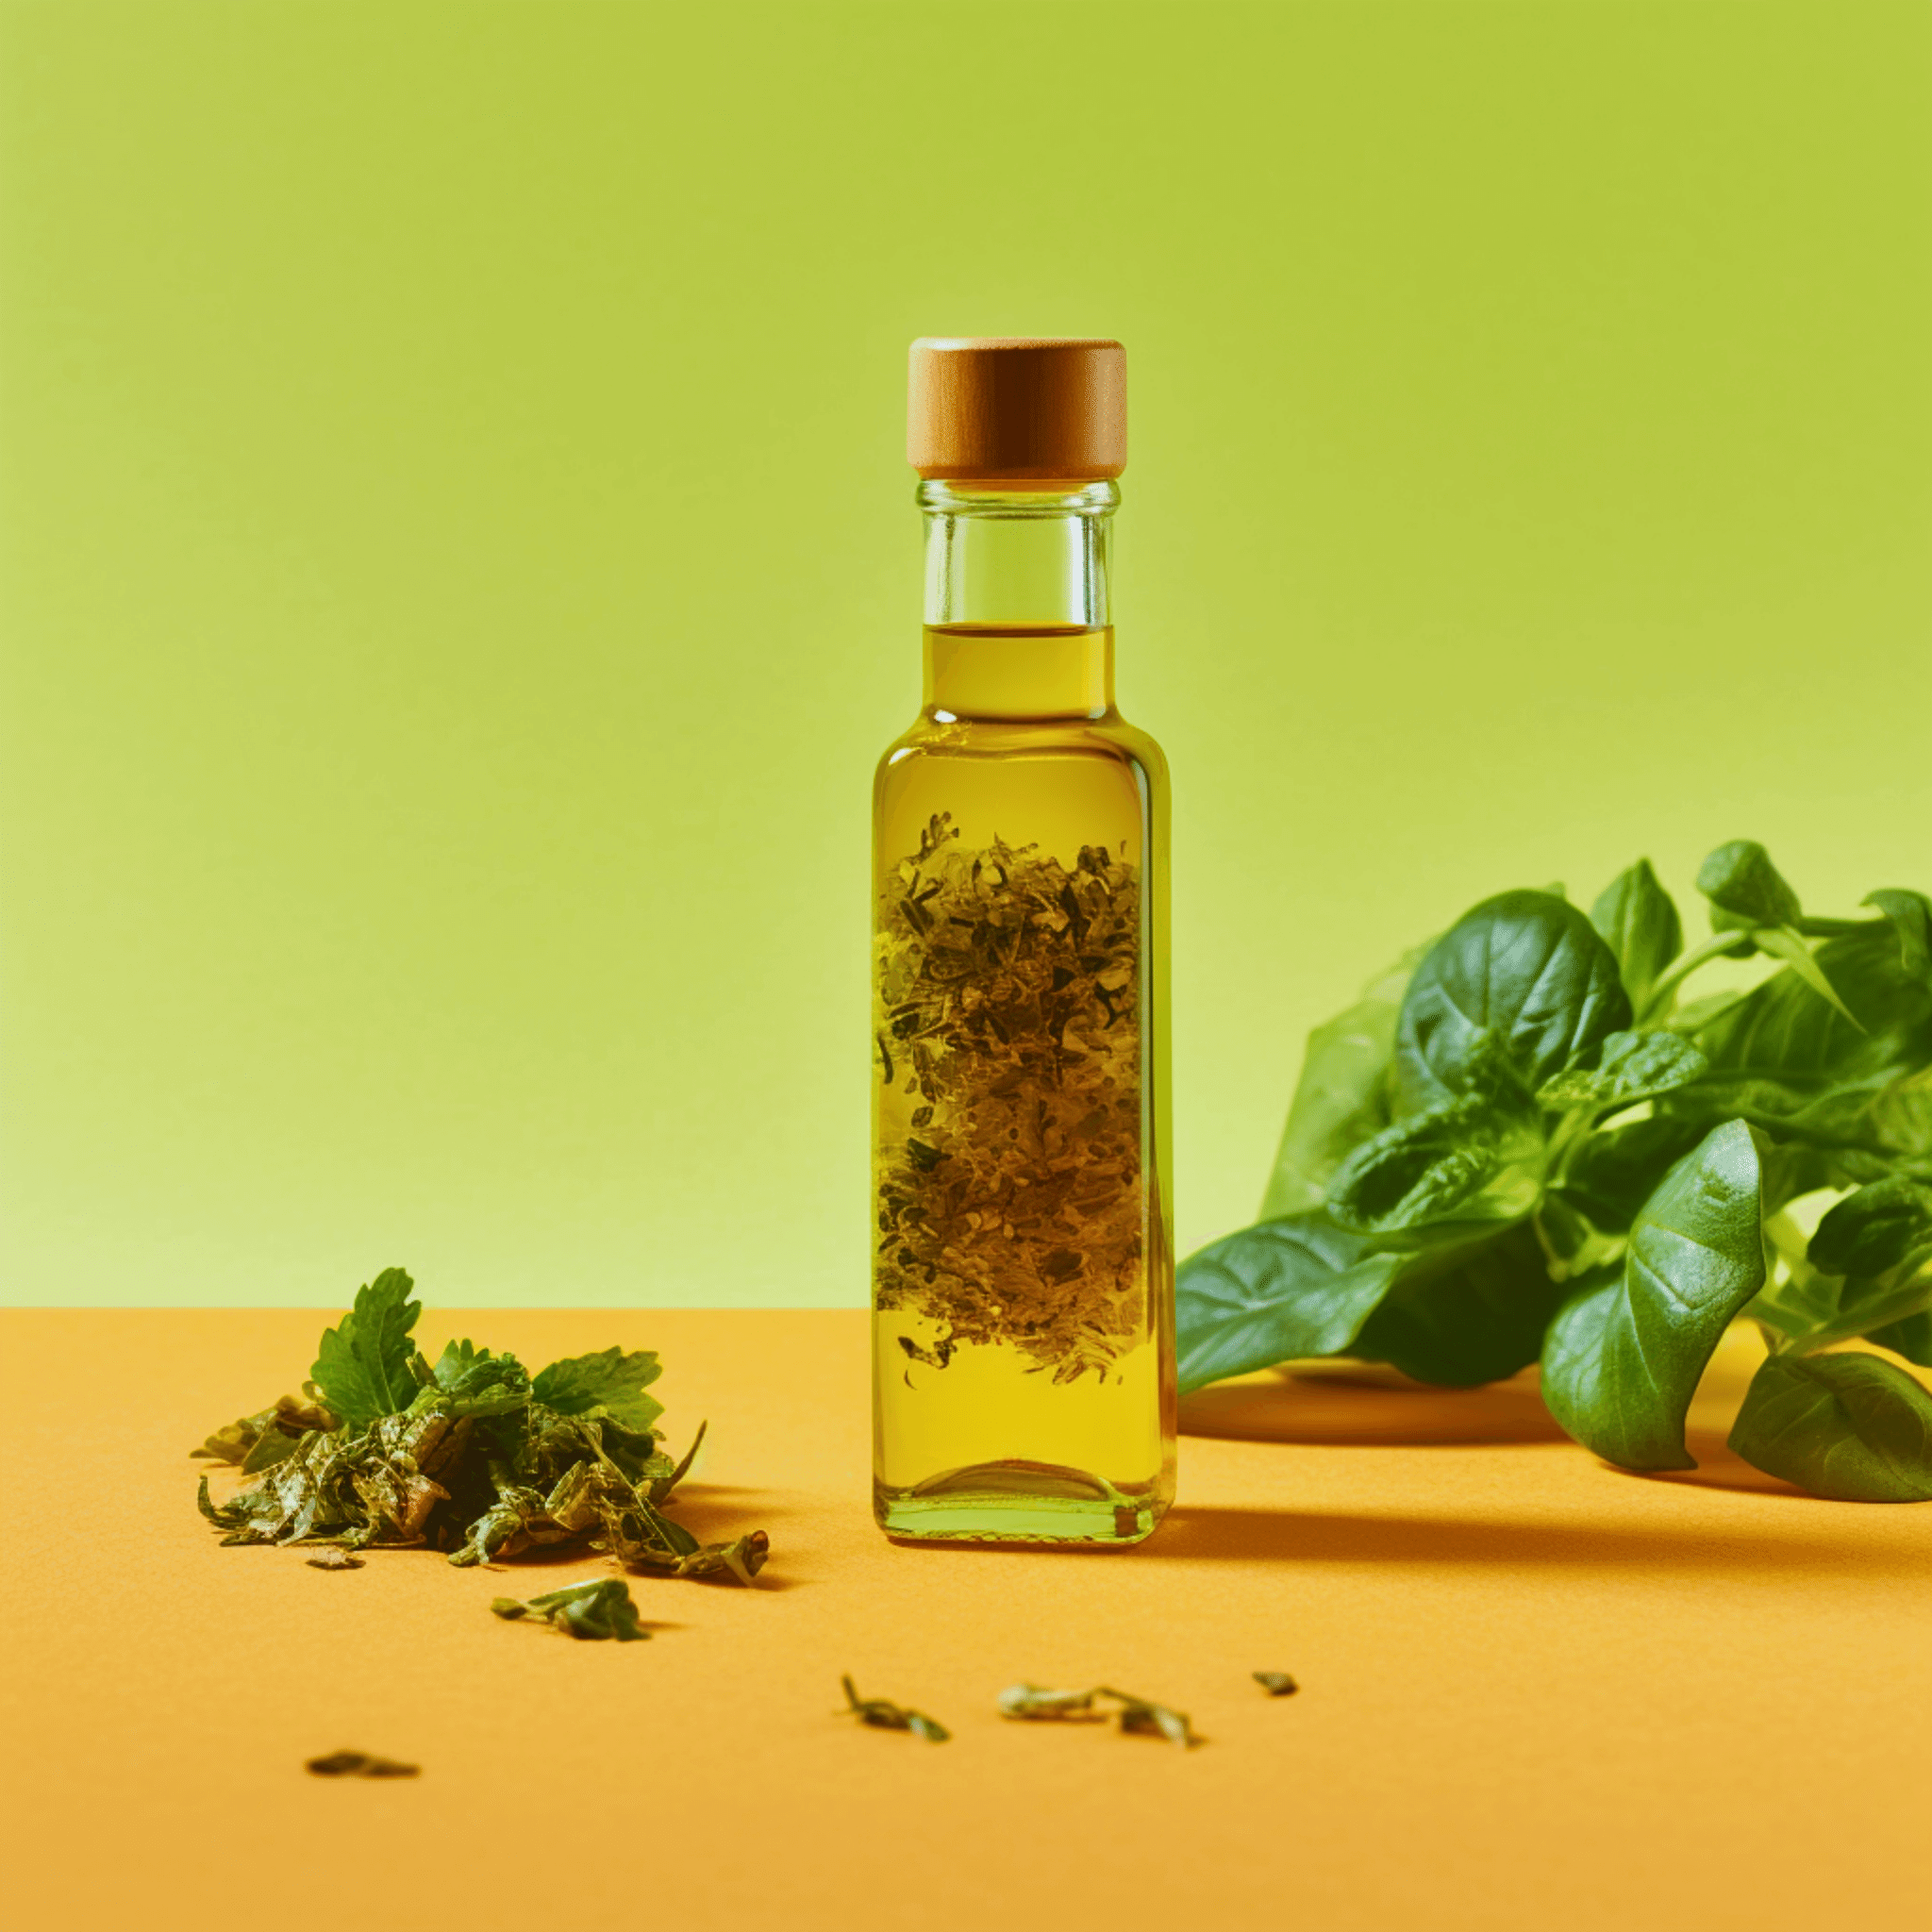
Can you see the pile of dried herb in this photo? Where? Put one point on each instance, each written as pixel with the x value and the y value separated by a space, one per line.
pixel 471 1454
pixel 1009 1208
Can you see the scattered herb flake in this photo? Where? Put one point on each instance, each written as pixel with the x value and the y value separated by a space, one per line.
pixel 883 1715
pixel 600 1608
pixel 333 1556
pixel 1035 1701
pixel 1276 1683
pixel 1036 1704
pixel 360 1764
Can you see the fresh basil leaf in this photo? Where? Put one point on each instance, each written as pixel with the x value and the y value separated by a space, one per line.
pixel 1622 1358
pixel 362 1364
pixel 1849 1426
pixel 1283 1289
pixel 1910 914
pixel 1745 890
pixel 1911 1338
pixel 1783 1059
pixel 1873 1259
pixel 1881 1228
pixel 1345 1093
pixel 1633 1067
pixel 1470 1161
pixel 1614 1171
pixel 1464 1315
pixel 1787 944
pixel 1639 922
pixel 612 1381
pixel 1521 977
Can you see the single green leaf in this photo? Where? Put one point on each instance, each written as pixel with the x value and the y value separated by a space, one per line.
pixel 1345 1093
pixel 1910 914
pixel 1784 942
pixel 1611 1173
pixel 1468 1161
pixel 612 1381
pixel 1522 978
pixel 1745 890
pixel 1848 1427
pixel 1881 1228
pixel 1623 1356
pixel 1282 1290
pixel 1869 1264
pixel 1466 1313
pixel 1632 1067
pixel 362 1364
pixel 1639 922
pixel 1911 1338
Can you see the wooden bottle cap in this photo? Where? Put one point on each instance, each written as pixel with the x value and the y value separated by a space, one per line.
pixel 1024 409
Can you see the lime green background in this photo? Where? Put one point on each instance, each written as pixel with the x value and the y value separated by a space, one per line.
pixel 460 567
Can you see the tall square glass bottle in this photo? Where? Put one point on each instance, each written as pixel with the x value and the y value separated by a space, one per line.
pixel 1022 1269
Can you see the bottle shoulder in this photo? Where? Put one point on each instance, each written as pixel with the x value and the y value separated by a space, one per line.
pixel 1109 737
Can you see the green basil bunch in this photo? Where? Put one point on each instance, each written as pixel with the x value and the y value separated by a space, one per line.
pixel 1522 1144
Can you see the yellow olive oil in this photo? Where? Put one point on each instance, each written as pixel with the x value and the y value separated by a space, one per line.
pixel 1023 1272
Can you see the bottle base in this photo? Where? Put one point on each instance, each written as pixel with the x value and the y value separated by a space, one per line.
pixel 1036 1503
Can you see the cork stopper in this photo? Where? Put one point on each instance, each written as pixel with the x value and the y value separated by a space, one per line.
pixel 1019 410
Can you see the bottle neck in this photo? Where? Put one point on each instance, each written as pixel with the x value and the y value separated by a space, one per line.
pixel 1018 610
pixel 1018 557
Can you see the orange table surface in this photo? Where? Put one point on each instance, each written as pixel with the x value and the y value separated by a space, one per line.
pixel 1536 1691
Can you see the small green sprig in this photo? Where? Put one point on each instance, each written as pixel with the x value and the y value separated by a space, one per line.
pixel 883 1715
pixel 599 1607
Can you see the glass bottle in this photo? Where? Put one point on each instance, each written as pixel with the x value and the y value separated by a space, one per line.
pixel 1022 1276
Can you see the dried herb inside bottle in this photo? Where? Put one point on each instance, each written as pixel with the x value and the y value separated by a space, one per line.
pixel 1011 1208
